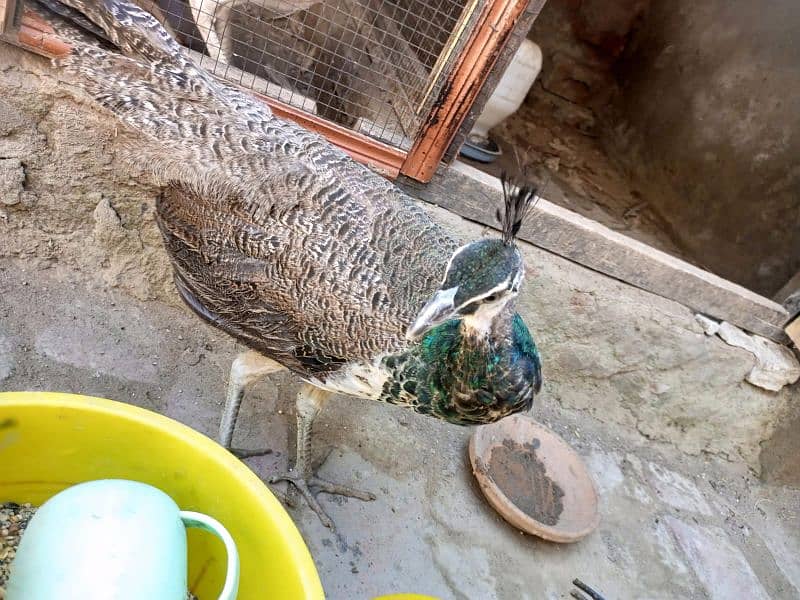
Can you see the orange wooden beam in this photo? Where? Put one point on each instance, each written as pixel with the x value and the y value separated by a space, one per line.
pixel 491 32
pixel 37 35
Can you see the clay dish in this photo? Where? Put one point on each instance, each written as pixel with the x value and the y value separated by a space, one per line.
pixel 534 479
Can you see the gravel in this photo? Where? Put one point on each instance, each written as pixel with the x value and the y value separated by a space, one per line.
pixel 13 520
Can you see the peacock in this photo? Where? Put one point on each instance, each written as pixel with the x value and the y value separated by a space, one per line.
pixel 312 261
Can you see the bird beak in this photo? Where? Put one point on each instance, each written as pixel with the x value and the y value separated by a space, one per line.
pixel 438 310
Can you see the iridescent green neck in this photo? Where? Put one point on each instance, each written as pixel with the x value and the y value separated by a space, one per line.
pixel 464 378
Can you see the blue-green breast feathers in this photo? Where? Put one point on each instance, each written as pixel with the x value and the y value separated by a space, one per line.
pixel 466 381
pixel 526 352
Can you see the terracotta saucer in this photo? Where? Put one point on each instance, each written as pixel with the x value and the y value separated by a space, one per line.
pixel 534 479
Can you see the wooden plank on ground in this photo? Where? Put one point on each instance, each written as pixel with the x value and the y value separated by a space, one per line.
pixel 475 195
pixel 791 286
pixel 793 331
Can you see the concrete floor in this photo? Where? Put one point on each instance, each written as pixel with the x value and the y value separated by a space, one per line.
pixel 672 526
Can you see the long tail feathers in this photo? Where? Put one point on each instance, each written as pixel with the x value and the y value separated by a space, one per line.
pixel 190 128
pixel 128 27
pixel 72 15
pixel 138 36
pixel 199 128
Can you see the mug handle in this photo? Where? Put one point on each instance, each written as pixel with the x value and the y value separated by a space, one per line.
pixel 201 521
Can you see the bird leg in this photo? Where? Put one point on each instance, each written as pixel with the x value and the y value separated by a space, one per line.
pixel 248 368
pixel 310 401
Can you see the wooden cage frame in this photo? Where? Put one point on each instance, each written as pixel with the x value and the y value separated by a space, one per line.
pixel 496 29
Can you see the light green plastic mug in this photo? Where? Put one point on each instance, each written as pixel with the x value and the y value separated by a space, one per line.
pixel 111 539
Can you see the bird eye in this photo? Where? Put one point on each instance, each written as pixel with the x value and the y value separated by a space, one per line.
pixel 491 298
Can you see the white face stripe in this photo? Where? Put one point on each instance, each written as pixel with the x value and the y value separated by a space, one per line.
pixel 458 251
pixel 498 288
pixel 518 279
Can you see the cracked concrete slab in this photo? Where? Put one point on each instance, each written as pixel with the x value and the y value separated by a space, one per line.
pixel 719 565
pixel 676 490
pixel 776 365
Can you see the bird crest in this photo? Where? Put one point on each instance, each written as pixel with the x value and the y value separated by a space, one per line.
pixel 518 202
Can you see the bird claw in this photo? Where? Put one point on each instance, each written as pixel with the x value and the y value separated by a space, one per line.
pixel 242 454
pixel 310 486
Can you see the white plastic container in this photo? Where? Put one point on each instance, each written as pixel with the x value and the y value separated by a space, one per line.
pixel 111 539
pixel 511 91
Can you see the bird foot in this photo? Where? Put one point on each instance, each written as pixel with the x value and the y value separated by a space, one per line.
pixel 241 453
pixel 310 486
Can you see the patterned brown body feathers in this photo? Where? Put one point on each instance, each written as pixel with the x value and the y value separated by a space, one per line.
pixel 276 237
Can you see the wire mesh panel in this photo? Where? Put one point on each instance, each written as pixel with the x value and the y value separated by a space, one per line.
pixel 407 72
pixel 370 65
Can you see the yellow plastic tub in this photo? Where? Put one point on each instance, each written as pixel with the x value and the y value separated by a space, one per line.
pixel 50 441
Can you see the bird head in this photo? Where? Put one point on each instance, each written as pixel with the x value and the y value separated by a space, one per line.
pixel 483 276
pixel 481 279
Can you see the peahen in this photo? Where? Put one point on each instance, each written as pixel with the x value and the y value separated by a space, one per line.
pixel 310 259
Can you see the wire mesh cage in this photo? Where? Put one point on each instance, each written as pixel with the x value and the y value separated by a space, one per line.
pixel 372 66
pixel 395 83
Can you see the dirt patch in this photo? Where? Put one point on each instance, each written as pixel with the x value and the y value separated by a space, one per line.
pixel 577 172
pixel 523 479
